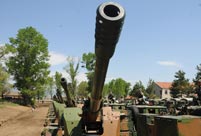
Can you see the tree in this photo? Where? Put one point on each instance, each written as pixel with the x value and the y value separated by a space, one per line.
pixel 106 89
pixel 197 81
pixel 119 87
pixel 50 86
pixel 3 52
pixel 72 69
pixel 150 89
pixel 137 88
pixel 29 63
pixel 4 85
pixel 82 89
pixel 88 61
pixel 57 78
pixel 4 76
pixel 180 85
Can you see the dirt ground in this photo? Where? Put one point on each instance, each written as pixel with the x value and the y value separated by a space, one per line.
pixel 22 121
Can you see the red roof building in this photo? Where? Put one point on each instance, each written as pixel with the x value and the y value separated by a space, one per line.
pixel 165 85
pixel 162 89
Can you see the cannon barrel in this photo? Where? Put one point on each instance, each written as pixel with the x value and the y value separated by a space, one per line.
pixel 109 21
pixel 59 96
pixel 64 85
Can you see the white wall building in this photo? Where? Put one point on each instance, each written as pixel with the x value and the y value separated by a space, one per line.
pixel 162 89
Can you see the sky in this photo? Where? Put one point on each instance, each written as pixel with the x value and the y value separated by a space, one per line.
pixel 159 37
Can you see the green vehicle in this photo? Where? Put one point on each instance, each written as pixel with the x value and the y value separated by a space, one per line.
pixel 152 109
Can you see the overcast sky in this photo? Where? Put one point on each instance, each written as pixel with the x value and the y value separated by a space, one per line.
pixel 159 37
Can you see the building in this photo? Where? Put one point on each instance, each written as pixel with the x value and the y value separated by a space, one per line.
pixel 162 89
pixel 12 95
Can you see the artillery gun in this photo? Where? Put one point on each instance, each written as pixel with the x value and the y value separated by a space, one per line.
pixel 59 96
pixel 109 21
pixel 69 101
pixel 93 118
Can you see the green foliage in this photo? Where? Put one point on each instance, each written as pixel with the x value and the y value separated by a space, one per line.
pixel 118 87
pixel 106 90
pixel 90 77
pixel 4 76
pixel 137 88
pixel 50 86
pixel 180 85
pixel 4 103
pixel 72 69
pixel 197 81
pixel 88 61
pixel 70 89
pixel 3 52
pixel 150 89
pixel 28 95
pixel 4 85
pixel 82 89
pixel 57 78
pixel 28 63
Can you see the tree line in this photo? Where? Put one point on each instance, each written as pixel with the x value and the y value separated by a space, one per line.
pixel 26 59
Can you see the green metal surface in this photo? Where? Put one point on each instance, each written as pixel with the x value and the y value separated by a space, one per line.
pixel 72 121
pixel 59 109
pixel 151 109
pixel 168 125
pixel 142 121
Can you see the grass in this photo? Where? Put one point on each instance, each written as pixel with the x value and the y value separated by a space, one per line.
pixel 4 103
pixel 1 106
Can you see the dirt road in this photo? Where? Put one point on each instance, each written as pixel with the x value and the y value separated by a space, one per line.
pixel 26 124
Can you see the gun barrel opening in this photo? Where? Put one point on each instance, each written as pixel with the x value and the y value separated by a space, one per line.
pixel 63 80
pixel 111 10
